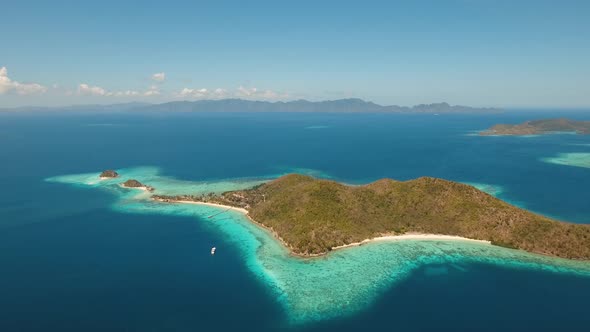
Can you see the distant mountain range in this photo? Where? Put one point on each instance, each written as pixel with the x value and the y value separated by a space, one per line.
pixel 352 105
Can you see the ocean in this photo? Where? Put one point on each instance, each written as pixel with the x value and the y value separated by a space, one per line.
pixel 79 255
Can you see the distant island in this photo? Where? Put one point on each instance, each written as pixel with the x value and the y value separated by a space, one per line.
pixel 134 184
pixel 313 216
pixel 108 174
pixel 351 105
pixel 538 127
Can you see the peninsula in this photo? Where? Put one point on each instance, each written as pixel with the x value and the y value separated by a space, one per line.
pixel 537 127
pixel 313 216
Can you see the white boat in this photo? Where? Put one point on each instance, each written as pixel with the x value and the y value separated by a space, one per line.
pixel 213 251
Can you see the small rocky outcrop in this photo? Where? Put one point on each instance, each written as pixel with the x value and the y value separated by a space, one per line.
pixel 132 183
pixel 109 174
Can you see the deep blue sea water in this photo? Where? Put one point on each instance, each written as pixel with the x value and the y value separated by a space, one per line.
pixel 69 262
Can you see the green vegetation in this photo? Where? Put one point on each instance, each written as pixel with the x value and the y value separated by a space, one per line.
pixel 540 127
pixel 109 173
pixel 312 216
pixel 132 183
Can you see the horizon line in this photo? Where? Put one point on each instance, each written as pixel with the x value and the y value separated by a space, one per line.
pixel 141 103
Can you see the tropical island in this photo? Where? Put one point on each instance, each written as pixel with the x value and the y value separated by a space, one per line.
pixel 314 216
pixel 134 184
pixel 108 174
pixel 538 127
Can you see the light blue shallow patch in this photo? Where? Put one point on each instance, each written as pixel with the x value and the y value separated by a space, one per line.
pixel 491 189
pixel 283 170
pixel 564 132
pixel 340 283
pixel 577 159
pixel 164 185
pixel 476 133
pixel 316 127
pixel 105 125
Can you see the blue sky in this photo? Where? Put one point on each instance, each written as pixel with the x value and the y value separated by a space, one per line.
pixel 471 52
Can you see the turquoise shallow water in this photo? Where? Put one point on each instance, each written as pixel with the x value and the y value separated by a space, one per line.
pixel 339 284
pixel 577 159
pixel 491 189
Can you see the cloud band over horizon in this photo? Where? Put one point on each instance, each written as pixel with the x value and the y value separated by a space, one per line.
pixel 9 86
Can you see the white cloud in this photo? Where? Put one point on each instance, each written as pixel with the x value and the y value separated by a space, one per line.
pixel 254 93
pixel 203 93
pixel 246 92
pixel 7 85
pixel 84 89
pixel 29 89
pixel 87 90
pixel 5 82
pixel 128 93
pixel 159 77
pixel 194 93
pixel 152 91
pixel 240 92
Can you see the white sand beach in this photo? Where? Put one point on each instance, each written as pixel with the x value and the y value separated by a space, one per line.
pixel 227 207
pixel 407 236
pixel 413 236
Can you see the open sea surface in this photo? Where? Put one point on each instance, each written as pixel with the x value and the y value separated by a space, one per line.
pixel 81 255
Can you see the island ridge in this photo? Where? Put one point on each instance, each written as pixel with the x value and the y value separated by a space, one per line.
pixel 537 127
pixel 313 216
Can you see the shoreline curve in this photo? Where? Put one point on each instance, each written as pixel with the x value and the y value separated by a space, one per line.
pixel 391 238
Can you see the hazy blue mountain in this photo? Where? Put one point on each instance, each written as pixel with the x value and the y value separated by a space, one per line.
pixel 352 105
pixel 342 105
pixel 331 106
